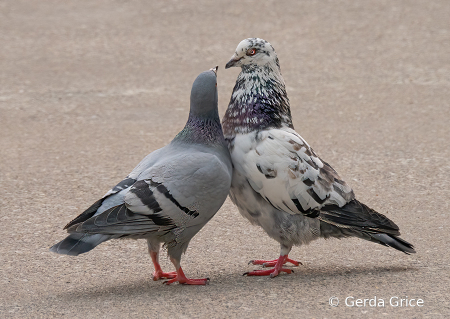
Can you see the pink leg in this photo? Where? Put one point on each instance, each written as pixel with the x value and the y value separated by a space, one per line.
pixel 278 267
pixel 181 278
pixel 158 274
pixel 272 263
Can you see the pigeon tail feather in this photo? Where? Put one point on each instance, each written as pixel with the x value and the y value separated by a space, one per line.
pixel 357 219
pixel 358 216
pixel 80 243
pixel 394 242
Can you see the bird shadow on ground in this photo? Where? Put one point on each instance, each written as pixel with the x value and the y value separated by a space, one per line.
pixel 303 275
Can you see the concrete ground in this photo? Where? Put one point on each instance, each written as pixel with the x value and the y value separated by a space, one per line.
pixel 88 88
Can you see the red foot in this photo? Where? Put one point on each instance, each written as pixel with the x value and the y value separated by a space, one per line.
pixel 272 263
pixel 158 274
pixel 278 267
pixel 181 278
pixel 269 272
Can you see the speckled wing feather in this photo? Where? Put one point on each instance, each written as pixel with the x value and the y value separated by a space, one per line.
pixel 284 170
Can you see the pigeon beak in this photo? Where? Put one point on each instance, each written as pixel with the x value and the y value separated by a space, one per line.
pixel 234 60
pixel 214 69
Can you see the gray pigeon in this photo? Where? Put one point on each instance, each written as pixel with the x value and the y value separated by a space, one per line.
pixel 170 195
pixel 279 183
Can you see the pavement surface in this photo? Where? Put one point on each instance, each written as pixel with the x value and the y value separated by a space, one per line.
pixel 88 88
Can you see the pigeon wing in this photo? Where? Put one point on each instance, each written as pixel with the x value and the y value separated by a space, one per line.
pixel 92 210
pixel 175 193
pixel 284 170
pixel 114 197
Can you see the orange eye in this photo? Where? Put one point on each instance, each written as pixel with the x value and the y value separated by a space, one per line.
pixel 251 51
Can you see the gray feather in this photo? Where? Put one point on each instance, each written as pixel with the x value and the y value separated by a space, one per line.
pixel 76 244
pixel 171 194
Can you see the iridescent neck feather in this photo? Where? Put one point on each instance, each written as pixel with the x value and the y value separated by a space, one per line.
pixel 201 130
pixel 259 101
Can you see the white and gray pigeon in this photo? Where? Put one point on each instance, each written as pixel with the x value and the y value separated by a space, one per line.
pixel 279 183
pixel 170 195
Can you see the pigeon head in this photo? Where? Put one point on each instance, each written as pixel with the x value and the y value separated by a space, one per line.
pixel 203 125
pixel 204 94
pixel 259 100
pixel 254 52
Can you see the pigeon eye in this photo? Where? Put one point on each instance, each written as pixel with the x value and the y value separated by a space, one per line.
pixel 251 52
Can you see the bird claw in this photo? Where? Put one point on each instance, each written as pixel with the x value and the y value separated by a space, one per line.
pixel 277 264
pixel 272 263
pixel 269 272
pixel 296 263
pixel 159 275
pixel 187 281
